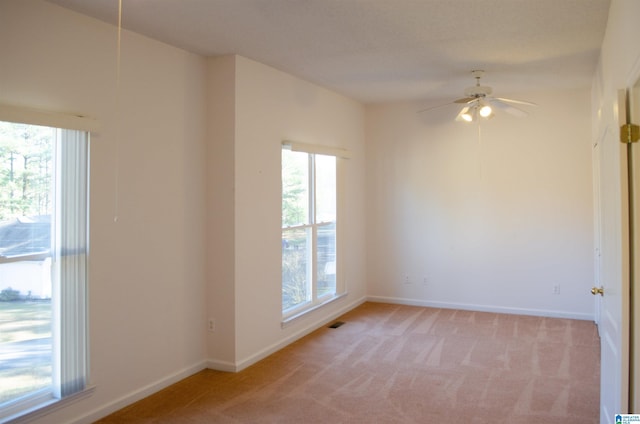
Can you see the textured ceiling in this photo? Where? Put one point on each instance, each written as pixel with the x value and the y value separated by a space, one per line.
pixel 384 50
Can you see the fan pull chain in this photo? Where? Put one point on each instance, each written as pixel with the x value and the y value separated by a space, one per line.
pixel 480 152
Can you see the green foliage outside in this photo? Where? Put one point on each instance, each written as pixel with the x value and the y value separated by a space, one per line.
pixel 294 212
pixel 26 162
pixel 294 188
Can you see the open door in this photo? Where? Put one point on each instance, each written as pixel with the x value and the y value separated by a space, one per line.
pixel 633 133
pixel 617 253
pixel 612 271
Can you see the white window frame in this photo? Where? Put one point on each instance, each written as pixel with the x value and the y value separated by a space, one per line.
pixel 70 334
pixel 316 301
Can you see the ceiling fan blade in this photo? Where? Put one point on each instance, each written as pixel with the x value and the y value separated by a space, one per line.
pixel 434 107
pixel 517 102
pixel 465 100
pixel 501 104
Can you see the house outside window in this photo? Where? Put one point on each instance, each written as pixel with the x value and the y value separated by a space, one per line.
pixel 310 229
pixel 43 265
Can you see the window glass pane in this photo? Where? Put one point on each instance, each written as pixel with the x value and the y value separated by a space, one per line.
pixel 296 266
pixel 309 198
pixel 26 205
pixel 295 188
pixel 326 259
pixel 325 188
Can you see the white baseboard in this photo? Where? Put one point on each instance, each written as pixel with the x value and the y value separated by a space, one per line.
pixel 482 308
pixel 139 394
pixel 217 365
pixel 314 325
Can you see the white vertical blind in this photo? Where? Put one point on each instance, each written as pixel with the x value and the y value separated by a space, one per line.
pixel 71 254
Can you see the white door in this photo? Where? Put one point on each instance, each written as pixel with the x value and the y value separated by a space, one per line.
pixel 634 311
pixel 618 215
pixel 597 223
pixel 612 272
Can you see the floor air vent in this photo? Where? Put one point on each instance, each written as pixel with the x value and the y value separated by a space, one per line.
pixel 336 324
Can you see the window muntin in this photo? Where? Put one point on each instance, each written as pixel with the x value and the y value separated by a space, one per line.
pixel 45 204
pixel 309 218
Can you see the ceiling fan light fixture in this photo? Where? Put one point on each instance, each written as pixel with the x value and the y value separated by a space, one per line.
pixel 478 103
pixel 466 114
pixel 486 111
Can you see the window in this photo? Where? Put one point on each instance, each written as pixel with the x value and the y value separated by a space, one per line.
pixel 310 259
pixel 43 264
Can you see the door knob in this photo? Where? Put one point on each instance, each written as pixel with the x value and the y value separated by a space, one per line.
pixel 597 290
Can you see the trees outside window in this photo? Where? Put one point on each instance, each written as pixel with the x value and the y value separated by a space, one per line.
pixel 309 218
pixel 26 155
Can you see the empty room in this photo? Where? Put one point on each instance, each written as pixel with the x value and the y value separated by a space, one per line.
pixel 318 211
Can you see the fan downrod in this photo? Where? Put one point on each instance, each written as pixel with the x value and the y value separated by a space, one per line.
pixel 478 90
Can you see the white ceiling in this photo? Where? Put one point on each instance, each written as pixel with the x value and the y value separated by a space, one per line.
pixel 384 50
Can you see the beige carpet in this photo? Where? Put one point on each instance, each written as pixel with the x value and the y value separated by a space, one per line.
pixel 402 364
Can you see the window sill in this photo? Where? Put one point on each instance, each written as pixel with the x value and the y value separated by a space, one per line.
pixel 47 407
pixel 291 318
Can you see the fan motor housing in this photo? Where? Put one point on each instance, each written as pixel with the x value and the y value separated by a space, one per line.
pixel 477 91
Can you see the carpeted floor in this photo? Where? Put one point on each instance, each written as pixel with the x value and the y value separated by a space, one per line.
pixel 402 364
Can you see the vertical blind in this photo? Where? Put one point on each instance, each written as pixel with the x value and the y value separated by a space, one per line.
pixel 71 255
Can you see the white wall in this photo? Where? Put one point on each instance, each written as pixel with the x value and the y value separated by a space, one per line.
pixel 188 160
pixel 271 106
pixel 147 309
pixel 221 136
pixel 493 220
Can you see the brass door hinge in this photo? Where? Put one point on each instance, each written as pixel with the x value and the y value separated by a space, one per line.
pixel 629 133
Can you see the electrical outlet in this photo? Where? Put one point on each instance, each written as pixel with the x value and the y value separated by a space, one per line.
pixel 211 325
pixel 425 280
pixel 406 279
pixel 556 289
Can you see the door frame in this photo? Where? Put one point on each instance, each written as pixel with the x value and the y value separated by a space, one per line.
pixel 632 115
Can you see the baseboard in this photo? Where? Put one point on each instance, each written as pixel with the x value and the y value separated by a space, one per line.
pixel 247 362
pixel 214 364
pixel 139 394
pixel 481 308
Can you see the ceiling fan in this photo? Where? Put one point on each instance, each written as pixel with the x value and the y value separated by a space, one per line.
pixel 478 102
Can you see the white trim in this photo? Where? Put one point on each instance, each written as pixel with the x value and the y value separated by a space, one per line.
pixel 226 366
pixel 70 121
pixel 48 407
pixel 318 149
pixel 482 308
pixel 138 394
pixel 288 319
